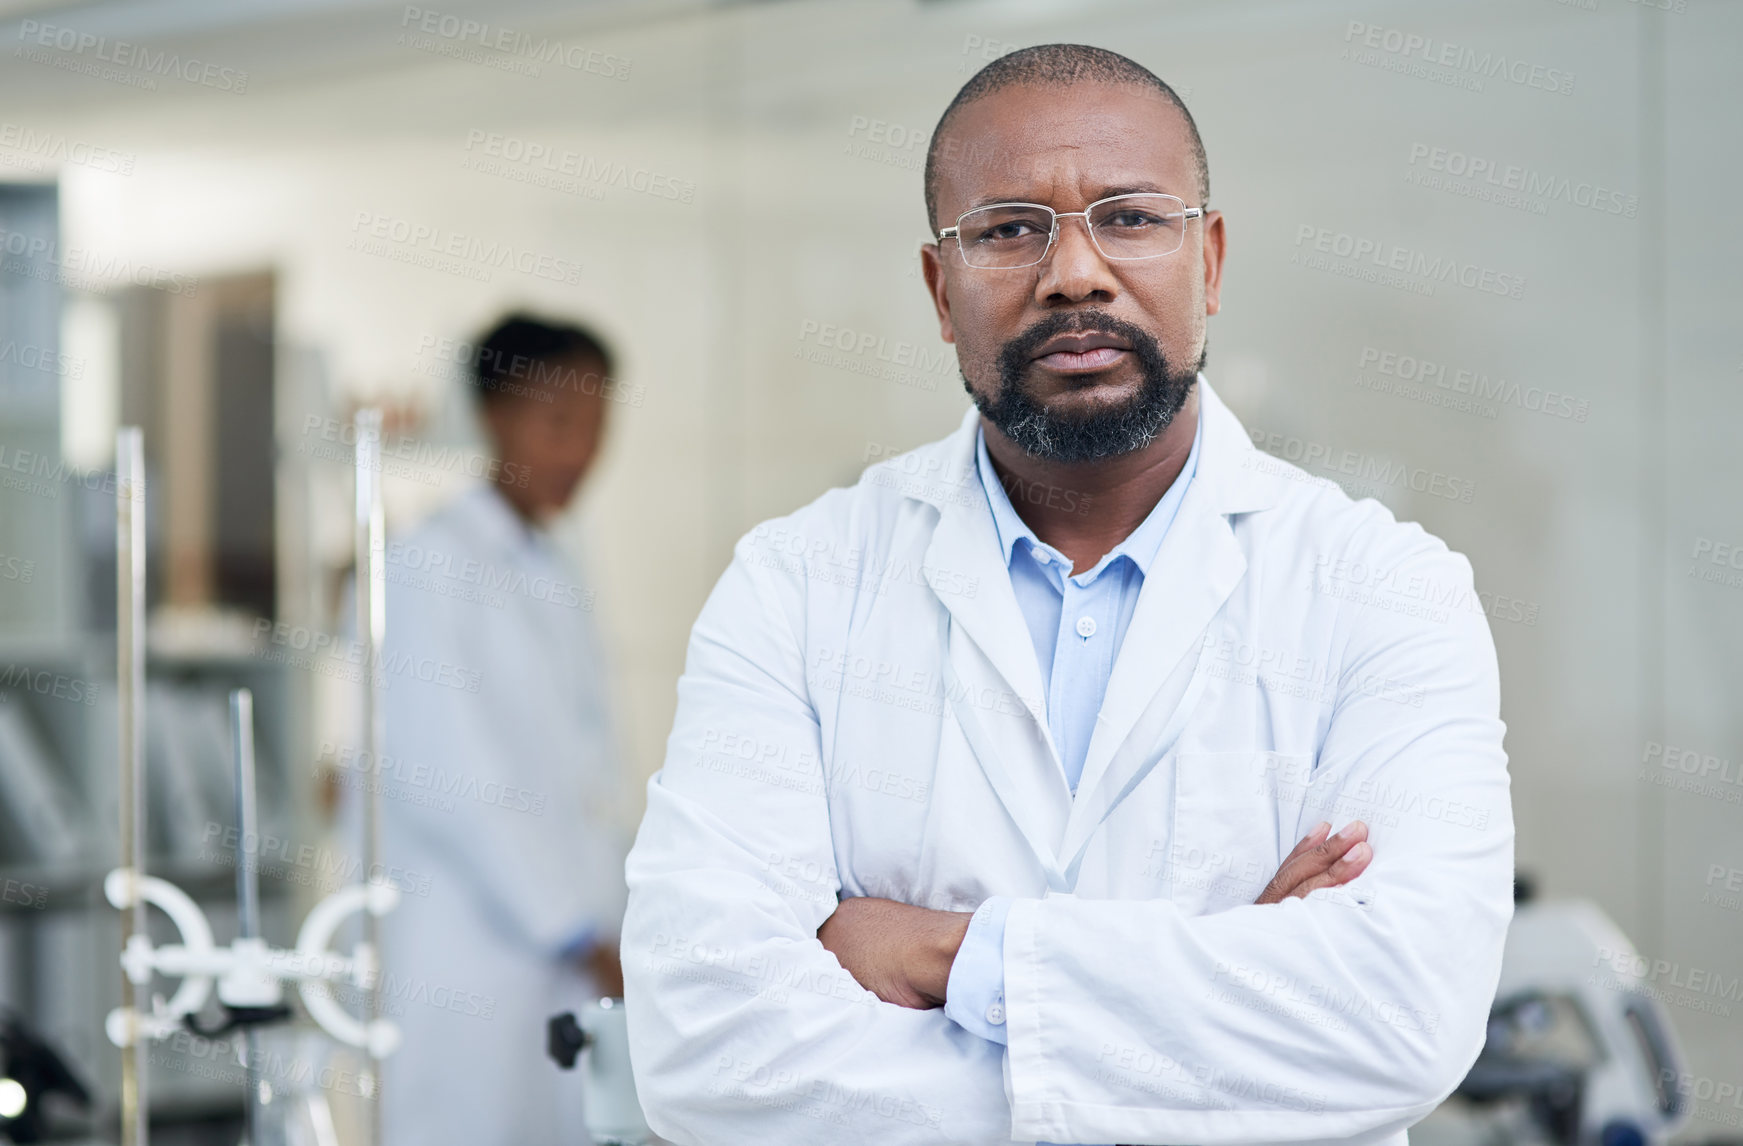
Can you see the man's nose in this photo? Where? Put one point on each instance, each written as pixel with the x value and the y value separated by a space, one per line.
pixel 1074 270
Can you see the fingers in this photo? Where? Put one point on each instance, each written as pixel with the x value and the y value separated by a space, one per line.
pixel 1354 863
pixel 1280 883
pixel 1303 850
pixel 1311 840
pixel 1315 857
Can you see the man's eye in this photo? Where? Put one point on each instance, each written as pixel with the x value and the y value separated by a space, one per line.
pixel 1016 229
pixel 1135 220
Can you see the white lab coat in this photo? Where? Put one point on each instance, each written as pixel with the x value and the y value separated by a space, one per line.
pixel 498 813
pixel 1334 665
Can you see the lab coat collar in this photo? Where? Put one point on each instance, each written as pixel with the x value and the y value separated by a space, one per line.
pixel 964 550
pixel 1139 547
pixel 486 516
pixel 1195 570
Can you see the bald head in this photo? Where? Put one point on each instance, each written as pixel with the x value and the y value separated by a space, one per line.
pixel 1059 66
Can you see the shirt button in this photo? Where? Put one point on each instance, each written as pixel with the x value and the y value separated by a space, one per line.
pixel 1040 557
pixel 1086 626
pixel 995 1014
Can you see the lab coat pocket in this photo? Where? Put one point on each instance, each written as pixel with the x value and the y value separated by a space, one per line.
pixel 1233 824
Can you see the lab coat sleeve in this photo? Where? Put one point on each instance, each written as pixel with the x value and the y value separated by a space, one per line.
pixel 743 1027
pixel 552 877
pixel 1348 1015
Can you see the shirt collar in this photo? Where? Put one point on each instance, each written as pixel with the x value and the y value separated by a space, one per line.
pixel 491 519
pixel 1140 546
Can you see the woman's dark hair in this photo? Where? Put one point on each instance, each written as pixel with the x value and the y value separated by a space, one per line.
pixel 509 359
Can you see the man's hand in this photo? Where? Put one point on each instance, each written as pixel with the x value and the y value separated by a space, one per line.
pixel 1319 862
pixel 899 952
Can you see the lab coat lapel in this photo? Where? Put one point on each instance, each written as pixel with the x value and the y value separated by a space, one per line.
pixel 1198 566
pixel 989 641
pixel 964 551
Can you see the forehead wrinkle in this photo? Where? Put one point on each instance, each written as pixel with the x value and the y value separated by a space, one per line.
pixel 1063 173
pixel 1128 151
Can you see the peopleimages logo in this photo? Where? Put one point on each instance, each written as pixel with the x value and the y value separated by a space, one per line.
pixel 1404 260
pixel 873 355
pixel 1363 469
pixel 44 683
pixel 37 358
pixel 447 34
pixel 138 57
pixel 438 248
pixel 556 160
pixel 83 268
pixel 39 149
pixel 1524 180
pixel 884 142
pixel 1391 370
pixel 1457 59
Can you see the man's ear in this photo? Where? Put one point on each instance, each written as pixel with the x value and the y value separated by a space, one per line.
pixel 1215 247
pixel 932 270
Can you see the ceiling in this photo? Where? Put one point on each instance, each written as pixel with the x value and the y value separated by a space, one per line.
pixel 272 41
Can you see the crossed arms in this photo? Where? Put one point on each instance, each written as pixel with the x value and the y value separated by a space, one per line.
pixel 903 954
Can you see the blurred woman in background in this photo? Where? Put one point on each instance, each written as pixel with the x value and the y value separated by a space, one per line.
pixel 510 740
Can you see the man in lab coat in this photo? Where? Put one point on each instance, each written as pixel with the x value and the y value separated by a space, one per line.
pixel 997 803
pixel 501 778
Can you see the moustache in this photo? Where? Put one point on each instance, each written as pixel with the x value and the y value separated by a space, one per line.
pixel 1018 352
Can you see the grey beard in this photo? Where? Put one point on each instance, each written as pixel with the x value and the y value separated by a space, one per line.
pixel 1107 433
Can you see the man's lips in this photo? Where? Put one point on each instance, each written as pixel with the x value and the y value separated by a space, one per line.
pixel 1089 351
pixel 1098 359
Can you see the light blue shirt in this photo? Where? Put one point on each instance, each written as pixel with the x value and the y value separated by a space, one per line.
pixel 1078 622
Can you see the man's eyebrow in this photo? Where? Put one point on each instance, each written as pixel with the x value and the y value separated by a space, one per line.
pixel 1131 189
pixel 990 200
pixel 1104 193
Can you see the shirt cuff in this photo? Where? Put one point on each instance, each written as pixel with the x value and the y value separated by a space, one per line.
pixel 974 995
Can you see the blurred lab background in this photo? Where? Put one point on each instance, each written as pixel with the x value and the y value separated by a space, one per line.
pixel 308 213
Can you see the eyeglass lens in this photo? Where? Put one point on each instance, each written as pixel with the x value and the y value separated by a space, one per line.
pixel 1127 227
